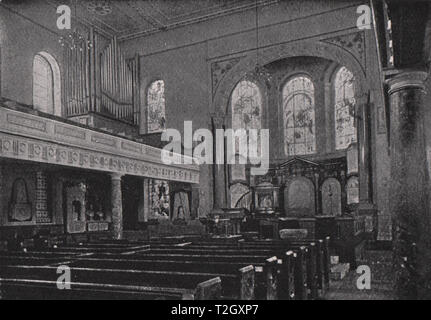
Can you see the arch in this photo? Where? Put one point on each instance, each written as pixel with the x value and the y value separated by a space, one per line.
pixel 299 197
pixel 240 196
pixel 299 116
pixel 331 197
pixel 155 107
pixel 52 72
pixel 288 50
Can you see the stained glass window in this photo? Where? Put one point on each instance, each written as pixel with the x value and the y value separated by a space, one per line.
pixel 156 119
pixel 246 103
pixel 299 116
pixel 43 85
pixel 345 102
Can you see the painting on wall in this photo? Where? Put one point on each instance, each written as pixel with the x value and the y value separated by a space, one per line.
pixel 159 200
pixel 20 206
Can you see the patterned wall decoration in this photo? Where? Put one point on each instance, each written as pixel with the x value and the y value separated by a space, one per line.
pixel 219 70
pixel 42 213
pixel 353 43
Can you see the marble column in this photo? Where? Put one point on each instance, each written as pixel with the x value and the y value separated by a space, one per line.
pixel 366 207
pixel 364 154
pixel 117 206
pixel 219 168
pixel 409 185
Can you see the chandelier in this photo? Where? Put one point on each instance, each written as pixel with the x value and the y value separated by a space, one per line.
pixel 260 71
pixel 101 8
pixel 75 40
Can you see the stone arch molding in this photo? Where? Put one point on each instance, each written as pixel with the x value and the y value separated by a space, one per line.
pixel 319 49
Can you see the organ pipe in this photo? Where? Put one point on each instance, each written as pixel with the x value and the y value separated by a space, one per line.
pixel 101 80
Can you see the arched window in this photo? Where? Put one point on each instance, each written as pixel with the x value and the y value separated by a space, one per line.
pixel 246 104
pixel 299 116
pixel 46 84
pixel 345 102
pixel 156 118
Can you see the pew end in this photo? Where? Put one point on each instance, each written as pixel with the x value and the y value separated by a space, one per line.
pixel 271 276
pixel 209 290
pixel 247 283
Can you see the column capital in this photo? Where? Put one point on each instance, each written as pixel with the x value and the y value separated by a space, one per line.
pixel 116 176
pixel 414 79
pixel 217 120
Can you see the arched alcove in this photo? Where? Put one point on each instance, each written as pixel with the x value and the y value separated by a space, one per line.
pixel 46 78
pixel 299 198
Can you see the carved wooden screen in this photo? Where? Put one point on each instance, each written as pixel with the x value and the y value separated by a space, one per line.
pixel 299 116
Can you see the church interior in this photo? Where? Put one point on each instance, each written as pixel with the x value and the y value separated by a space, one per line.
pixel 88 90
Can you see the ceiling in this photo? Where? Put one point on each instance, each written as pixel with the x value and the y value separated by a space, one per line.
pixel 129 19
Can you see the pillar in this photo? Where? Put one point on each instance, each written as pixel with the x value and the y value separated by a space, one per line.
pixel 117 206
pixel 366 206
pixel 364 143
pixel 219 169
pixel 409 185
pixel 144 201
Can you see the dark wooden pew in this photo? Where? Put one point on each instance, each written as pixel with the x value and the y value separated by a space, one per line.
pixel 238 280
pixel 108 248
pixel 324 261
pixel 304 270
pixel 318 258
pixel 156 280
pixel 265 268
pixel 215 251
pixel 24 289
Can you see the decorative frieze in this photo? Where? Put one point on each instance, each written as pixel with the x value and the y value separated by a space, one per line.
pixel 15 147
pixel 219 69
pixel 53 131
